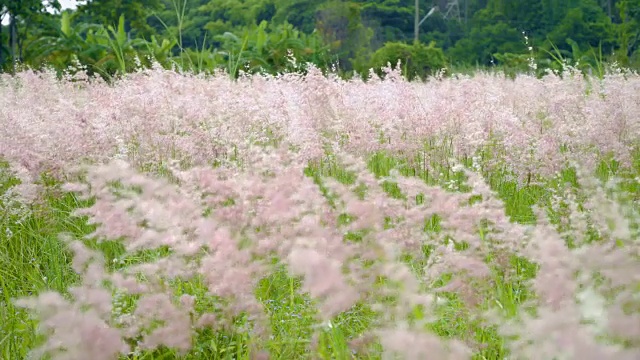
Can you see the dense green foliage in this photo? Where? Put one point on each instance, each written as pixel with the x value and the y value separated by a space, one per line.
pixel 416 59
pixel 262 35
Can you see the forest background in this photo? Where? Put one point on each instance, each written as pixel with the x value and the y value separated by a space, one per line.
pixel 113 37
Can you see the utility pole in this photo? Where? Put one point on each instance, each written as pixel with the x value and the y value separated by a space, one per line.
pixel 417 22
pixel 416 28
pixel 453 9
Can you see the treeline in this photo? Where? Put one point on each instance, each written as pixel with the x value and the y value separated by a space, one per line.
pixel 110 37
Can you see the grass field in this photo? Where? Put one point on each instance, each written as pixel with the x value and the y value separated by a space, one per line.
pixel 293 218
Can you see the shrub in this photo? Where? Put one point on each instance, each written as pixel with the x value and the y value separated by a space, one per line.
pixel 417 60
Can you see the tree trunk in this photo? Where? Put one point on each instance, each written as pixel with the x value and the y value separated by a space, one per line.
pixel 20 47
pixel 13 39
pixel 1 52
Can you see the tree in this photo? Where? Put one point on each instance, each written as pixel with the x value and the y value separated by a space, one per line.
pixel 492 30
pixel 489 35
pixel 392 20
pixel 628 30
pixel 299 13
pixel 587 25
pixel 21 13
pixel 107 12
pixel 340 24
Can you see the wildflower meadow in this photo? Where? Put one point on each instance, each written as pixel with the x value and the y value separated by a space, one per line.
pixel 169 215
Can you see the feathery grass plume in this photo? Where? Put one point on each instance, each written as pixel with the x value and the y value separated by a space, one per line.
pixel 430 218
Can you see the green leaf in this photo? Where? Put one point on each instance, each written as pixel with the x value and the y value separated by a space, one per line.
pixel 261 36
pixel 65 24
pixel 122 35
pixel 575 49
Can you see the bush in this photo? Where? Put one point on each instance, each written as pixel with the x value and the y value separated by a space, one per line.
pixel 418 60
